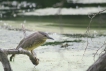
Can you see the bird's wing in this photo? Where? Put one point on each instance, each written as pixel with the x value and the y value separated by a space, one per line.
pixel 28 41
pixel 20 43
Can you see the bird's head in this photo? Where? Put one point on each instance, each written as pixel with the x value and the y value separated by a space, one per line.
pixel 45 35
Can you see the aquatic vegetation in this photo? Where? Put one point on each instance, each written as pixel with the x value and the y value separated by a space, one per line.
pixel 60 42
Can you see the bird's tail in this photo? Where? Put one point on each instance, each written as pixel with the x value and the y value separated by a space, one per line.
pixel 12 57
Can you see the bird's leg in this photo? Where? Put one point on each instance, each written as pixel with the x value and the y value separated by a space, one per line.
pixel 33 53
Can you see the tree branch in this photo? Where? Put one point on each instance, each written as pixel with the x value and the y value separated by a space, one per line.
pixel 33 58
pixel 99 64
pixel 5 61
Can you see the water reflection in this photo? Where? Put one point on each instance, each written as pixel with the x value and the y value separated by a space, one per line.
pixel 65 11
pixel 76 7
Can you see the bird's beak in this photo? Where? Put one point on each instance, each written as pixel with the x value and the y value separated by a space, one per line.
pixel 49 37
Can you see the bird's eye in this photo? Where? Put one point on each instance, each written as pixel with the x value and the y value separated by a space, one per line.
pixel 45 35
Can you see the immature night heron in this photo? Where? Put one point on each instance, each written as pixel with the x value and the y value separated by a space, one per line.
pixel 32 41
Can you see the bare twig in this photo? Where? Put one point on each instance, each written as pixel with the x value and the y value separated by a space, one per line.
pixel 24 31
pixel 60 5
pixel 98 50
pixel 101 52
pixel 88 28
pixel 85 49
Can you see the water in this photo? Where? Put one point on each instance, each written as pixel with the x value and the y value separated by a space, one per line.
pixel 53 57
pixel 64 11
pixel 31 10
